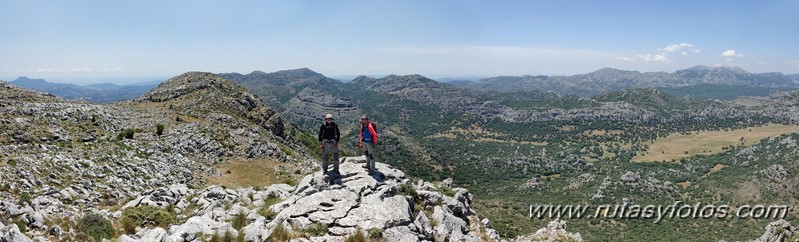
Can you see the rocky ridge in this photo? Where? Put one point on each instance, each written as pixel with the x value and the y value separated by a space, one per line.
pixel 61 160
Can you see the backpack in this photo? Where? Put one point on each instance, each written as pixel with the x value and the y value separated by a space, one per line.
pixel 374 126
pixel 333 127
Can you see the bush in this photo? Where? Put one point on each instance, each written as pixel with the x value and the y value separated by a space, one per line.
pixel 279 234
pixel 267 213
pixel 126 134
pixel 315 230
pixel 239 220
pixel 407 190
pixel 25 197
pixel 23 227
pixel 96 226
pixel 357 237
pixel 146 215
pixel 375 233
pixel 159 129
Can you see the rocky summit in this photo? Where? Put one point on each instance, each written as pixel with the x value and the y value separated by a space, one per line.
pixel 385 205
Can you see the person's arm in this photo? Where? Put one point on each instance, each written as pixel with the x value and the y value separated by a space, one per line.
pixel 321 131
pixel 338 134
pixel 360 136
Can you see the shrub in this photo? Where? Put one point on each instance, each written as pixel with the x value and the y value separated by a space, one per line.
pixel 357 237
pixel 279 234
pixel 23 227
pixel 146 215
pixel 96 226
pixel 159 129
pixel 126 134
pixel 84 237
pixel 239 220
pixel 375 233
pixel 25 197
pixel 290 182
pixel 315 230
pixel 267 213
pixel 407 190
pixel 215 238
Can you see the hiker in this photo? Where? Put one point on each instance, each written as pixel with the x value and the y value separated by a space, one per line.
pixel 368 139
pixel 328 141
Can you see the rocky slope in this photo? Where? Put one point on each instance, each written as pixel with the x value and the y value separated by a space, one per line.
pixel 387 205
pixel 63 159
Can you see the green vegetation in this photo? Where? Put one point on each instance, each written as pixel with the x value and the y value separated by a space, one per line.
pixel 126 134
pixel 721 92
pixel 239 220
pixel 265 211
pixel 279 234
pixel 315 230
pixel 375 233
pixel 96 226
pixel 159 129
pixel 146 216
pixel 357 237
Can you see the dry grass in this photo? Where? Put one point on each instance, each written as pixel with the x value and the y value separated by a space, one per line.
pixel 684 184
pixel 566 127
pixel 750 101
pixel 677 146
pixel 715 169
pixel 252 173
pixel 480 135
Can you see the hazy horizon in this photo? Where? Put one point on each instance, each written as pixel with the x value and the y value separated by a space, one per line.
pixel 86 42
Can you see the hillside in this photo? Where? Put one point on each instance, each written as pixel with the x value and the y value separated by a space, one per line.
pixel 507 147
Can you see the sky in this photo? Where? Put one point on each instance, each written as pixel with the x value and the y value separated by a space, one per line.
pixel 91 41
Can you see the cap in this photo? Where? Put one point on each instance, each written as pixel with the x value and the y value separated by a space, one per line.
pixel 329 116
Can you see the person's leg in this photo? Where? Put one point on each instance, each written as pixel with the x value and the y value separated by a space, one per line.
pixel 324 163
pixel 370 157
pixel 325 157
pixel 335 158
pixel 365 148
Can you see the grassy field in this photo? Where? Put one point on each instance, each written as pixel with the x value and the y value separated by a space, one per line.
pixel 677 146
pixel 478 134
pixel 253 173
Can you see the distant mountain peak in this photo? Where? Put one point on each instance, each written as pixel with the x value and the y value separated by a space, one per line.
pixel 29 80
pixel 187 83
pixel 300 73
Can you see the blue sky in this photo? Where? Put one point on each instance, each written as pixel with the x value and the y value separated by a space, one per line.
pixel 122 41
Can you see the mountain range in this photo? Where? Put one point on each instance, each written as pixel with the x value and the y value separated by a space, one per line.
pixel 610 80
pixel 97 93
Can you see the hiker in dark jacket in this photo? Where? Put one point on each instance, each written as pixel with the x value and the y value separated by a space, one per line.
pixel 367 141
pixel 328 141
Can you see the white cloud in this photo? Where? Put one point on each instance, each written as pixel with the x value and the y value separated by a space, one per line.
pixel 676 47
pixel 730 55
pixel 625 58
pixel 645 58
pixel 795 62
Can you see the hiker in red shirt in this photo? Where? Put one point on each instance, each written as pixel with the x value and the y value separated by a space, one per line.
pixel 367 141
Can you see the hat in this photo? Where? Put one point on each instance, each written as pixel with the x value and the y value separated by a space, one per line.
pixel 364 117
pixel 329 116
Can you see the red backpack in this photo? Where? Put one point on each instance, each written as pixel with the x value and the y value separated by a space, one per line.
pixel 374 126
